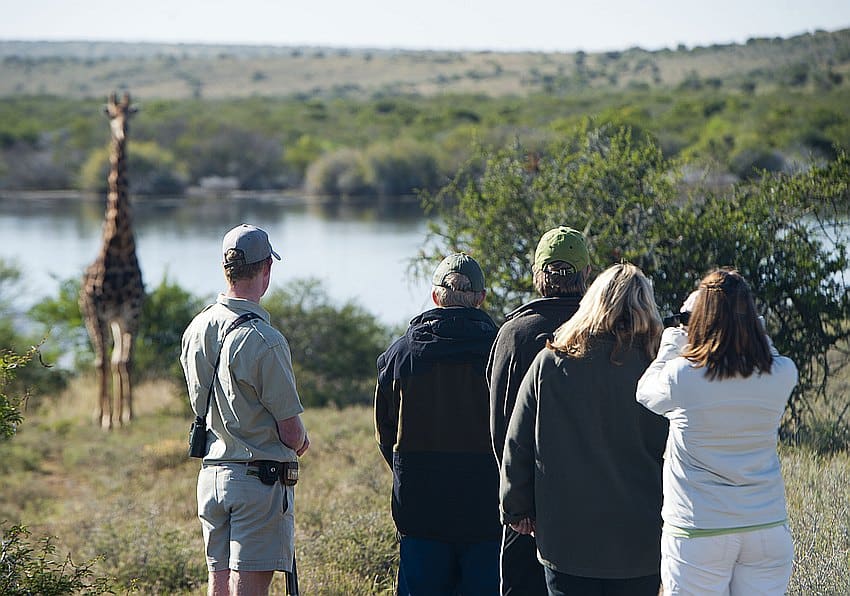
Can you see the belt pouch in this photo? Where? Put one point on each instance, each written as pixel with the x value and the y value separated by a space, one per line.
pixel 289 473
pixel 268 471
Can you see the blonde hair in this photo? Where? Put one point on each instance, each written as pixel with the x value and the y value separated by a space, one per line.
pixel 724 333
pixel 619 302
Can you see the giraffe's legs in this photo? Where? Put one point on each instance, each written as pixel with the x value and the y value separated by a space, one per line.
pixel 104 413
pixel 96 328
pixel 121 355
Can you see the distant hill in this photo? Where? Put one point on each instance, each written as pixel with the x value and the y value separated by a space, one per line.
pixel 92 69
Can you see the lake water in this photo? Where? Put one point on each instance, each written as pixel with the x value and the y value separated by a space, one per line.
pixel 360 255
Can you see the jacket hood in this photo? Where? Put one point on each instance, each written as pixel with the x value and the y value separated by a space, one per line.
pixel 453 332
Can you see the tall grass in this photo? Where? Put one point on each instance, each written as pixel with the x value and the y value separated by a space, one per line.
pixel 129 496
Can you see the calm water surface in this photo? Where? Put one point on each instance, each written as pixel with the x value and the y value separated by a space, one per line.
pixel 359 255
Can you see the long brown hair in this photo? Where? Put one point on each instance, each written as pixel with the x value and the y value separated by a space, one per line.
pixel 724 332
pixel 619 302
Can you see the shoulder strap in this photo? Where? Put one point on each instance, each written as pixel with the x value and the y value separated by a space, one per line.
pixel 238 321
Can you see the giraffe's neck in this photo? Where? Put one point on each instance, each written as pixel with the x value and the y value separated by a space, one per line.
pixel 118 240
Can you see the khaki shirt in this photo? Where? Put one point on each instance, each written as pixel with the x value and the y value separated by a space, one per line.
pixel 254 388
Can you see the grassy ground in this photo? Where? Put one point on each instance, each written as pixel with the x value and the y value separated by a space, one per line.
pixel 129 495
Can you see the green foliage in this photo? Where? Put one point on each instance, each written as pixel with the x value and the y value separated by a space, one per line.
pixel 63 324
pixel 779 231
pixel 400 168
pixel 300 154
pixel 152 170
pixel 10 407
pixel 166 313
pixel 334 348
pixel 27 569
pixel 594 179
pixel 338 173
pixel 252 156
pixel 30 380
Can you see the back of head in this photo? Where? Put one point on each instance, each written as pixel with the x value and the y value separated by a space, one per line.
pixel 561 263
pixel 619 303
pixel 245 249
pixel 725 334
pixel 458 281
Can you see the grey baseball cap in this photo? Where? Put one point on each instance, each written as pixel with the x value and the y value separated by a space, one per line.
pixel 251 243
pixel 460 263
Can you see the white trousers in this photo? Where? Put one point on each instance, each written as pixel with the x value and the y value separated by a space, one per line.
pixel 751 563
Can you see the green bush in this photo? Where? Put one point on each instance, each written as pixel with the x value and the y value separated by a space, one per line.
pixel 10 407
pixel 400 168
pixel 625 196
pixel 151 170
pixel 750 163
pixel 26 569
pixel 165 315
pixel 339 173
pixel 34 380
pixel 298 156
pixel 334 348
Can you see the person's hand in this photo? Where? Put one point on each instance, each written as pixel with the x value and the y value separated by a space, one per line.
pixel 688 305
pixel 675 336
pixel 524 526
pixel 300 451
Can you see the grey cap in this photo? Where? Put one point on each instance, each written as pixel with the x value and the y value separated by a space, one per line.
pixel 460 263
pixel 251 243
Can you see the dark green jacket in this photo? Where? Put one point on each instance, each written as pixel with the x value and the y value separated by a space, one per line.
pixel 584 459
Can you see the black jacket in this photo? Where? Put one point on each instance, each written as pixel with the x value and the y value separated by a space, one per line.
pixel 523 334
pixel 431 421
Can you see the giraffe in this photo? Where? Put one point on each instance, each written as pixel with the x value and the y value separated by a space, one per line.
pixel 112 291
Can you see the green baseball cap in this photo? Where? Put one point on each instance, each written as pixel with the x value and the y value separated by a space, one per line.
pixel 561 244
pixel 462 263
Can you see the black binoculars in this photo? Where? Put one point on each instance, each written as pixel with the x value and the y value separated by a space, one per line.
pixel 676 319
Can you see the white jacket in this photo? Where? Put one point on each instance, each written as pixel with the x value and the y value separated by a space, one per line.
pixel 721 469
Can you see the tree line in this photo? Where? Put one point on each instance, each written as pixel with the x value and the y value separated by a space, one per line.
pixel 395 145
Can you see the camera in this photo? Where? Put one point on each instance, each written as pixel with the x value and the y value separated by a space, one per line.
pixel 676 319
pixel 198 438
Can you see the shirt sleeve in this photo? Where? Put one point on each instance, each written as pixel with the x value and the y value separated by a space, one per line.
pixel 276 389
pixel 654 389
pixel 518 458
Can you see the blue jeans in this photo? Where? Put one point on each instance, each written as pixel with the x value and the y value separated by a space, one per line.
pixel 436 568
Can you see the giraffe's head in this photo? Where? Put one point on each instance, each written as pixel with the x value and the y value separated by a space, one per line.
pixel 119 113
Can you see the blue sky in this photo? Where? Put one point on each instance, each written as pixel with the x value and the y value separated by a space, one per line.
pixel 543 25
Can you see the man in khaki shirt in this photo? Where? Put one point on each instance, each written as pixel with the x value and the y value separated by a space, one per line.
pixel 253 424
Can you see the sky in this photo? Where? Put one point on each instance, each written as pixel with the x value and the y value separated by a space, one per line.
pixel 498 25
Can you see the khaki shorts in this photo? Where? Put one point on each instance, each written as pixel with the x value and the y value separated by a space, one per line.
pixel 247 525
